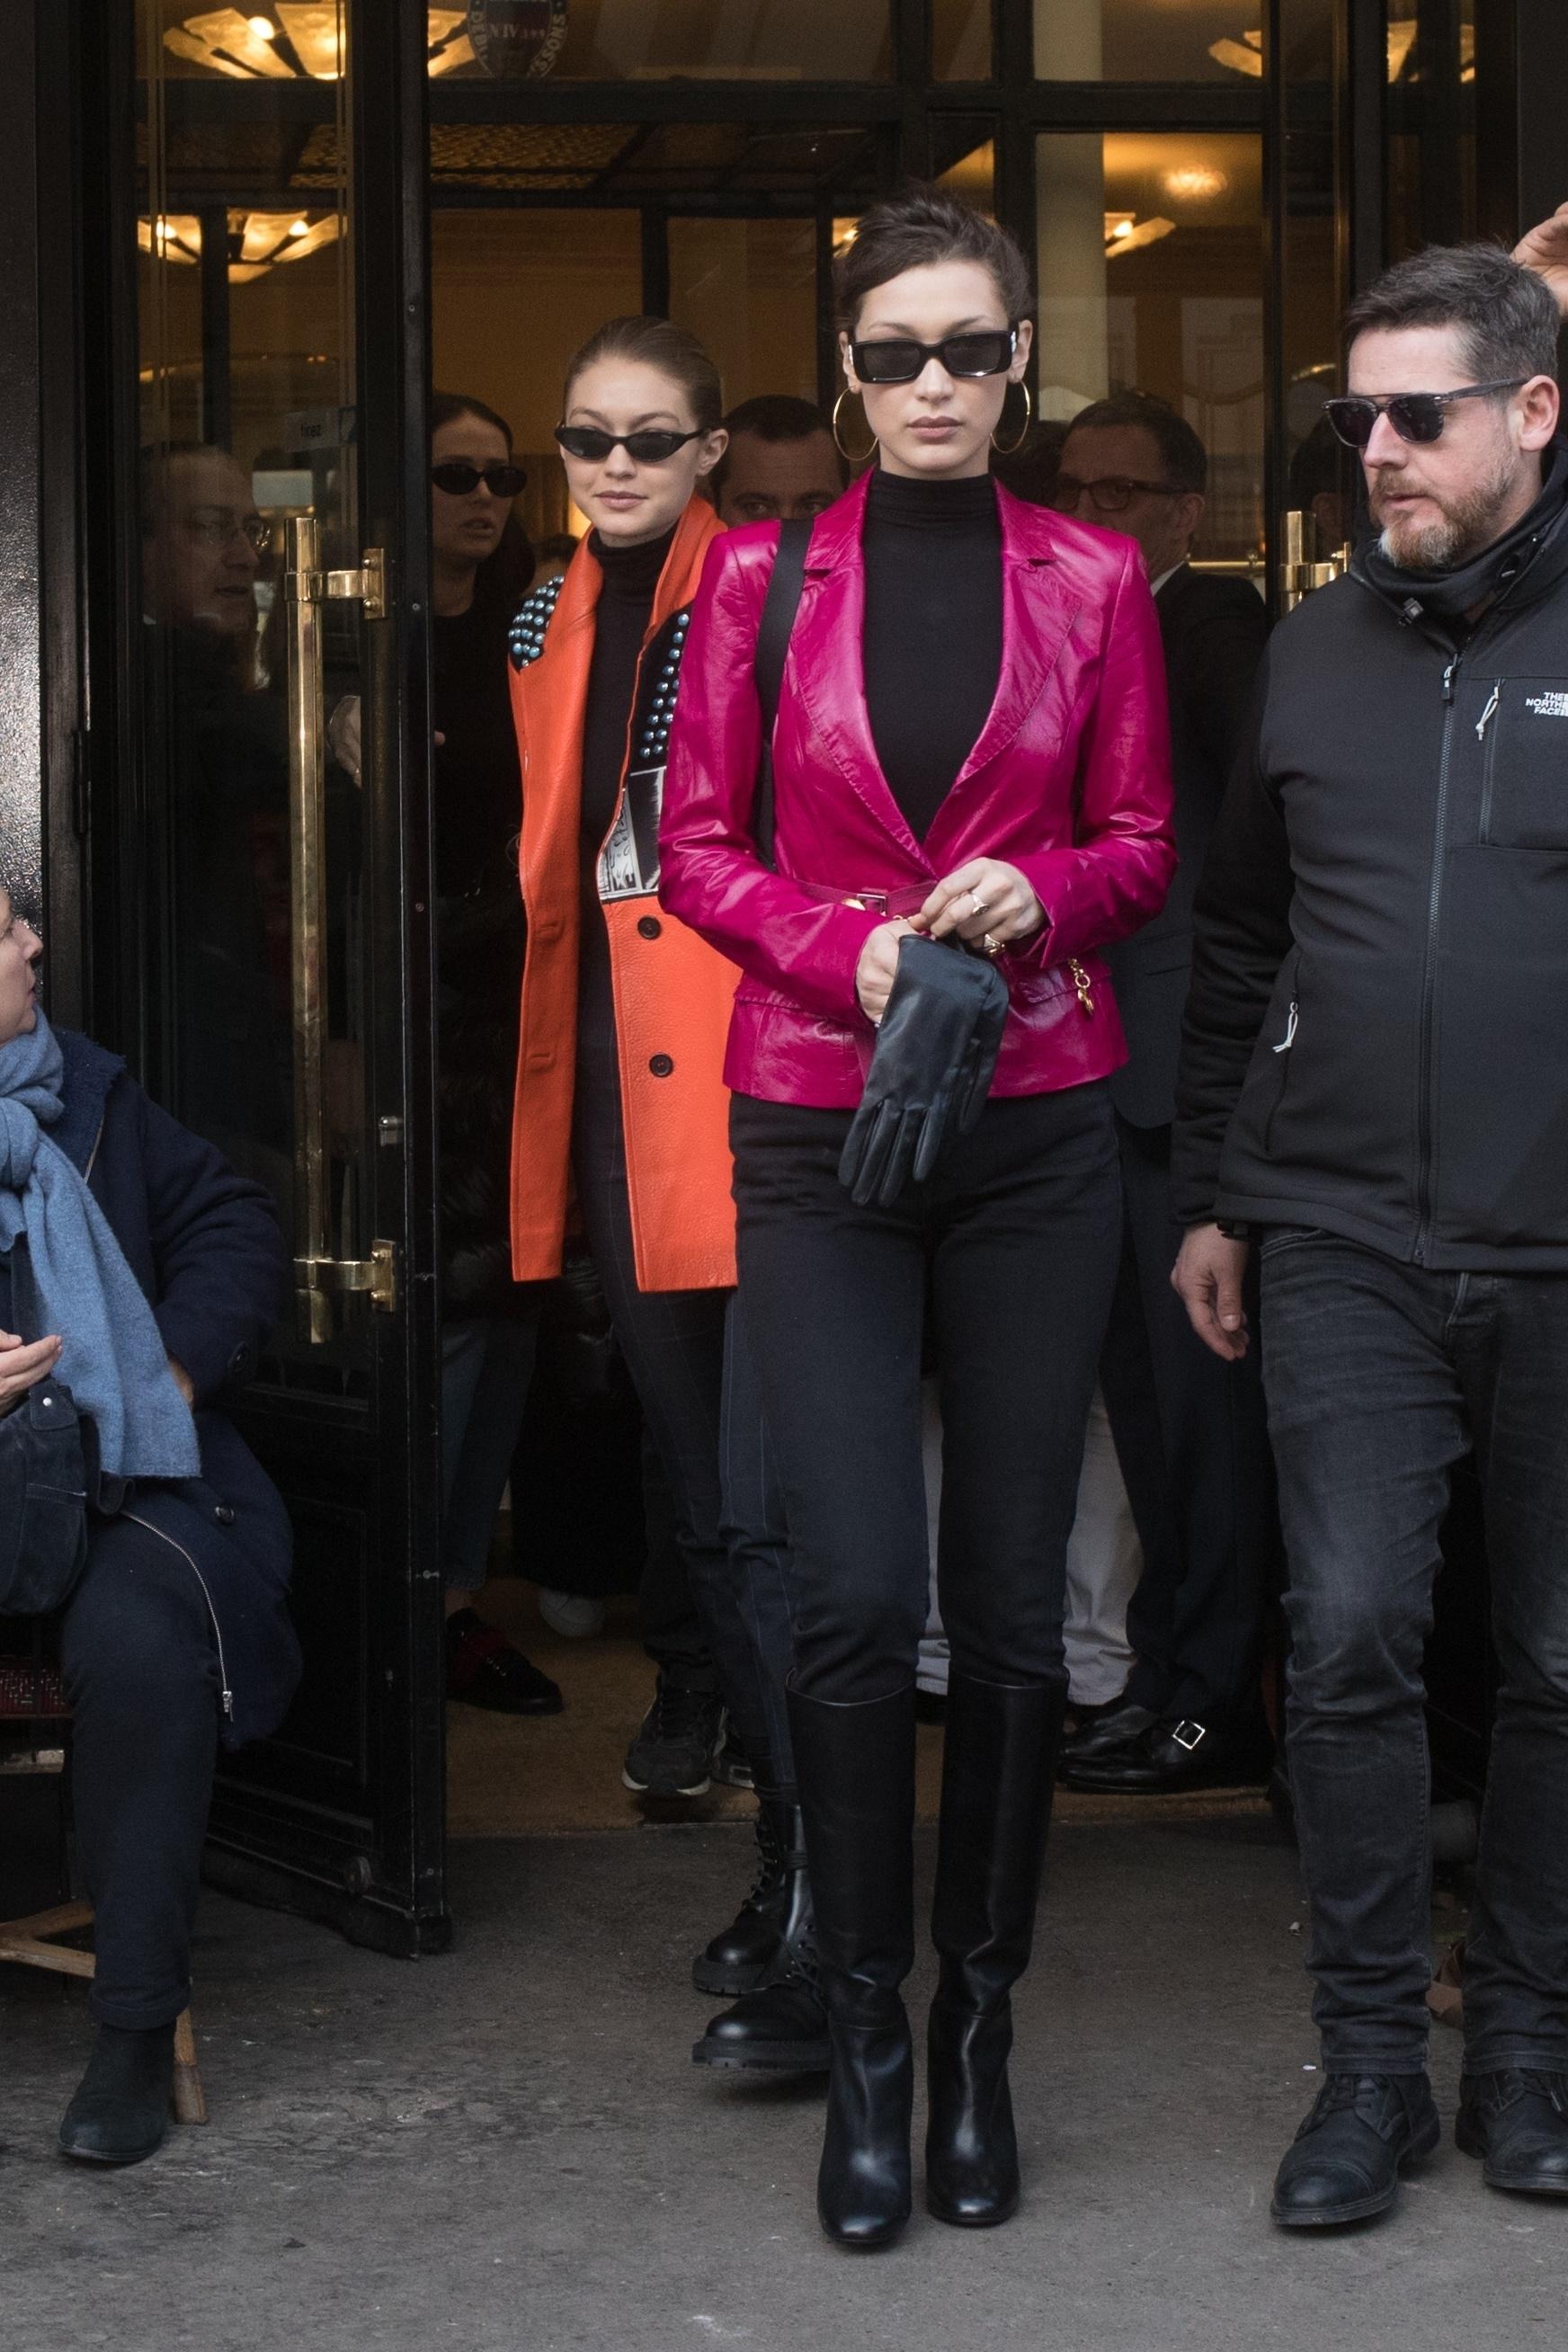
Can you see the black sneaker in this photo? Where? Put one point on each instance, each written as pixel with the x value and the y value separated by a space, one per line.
pixel 734 1767
pixel 674 1751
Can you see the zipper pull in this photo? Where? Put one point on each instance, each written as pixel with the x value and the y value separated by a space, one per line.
pixel 1449 679
pixel 228 1704
pixel 1484 720
pixel 1080 983
pixel 1288 1039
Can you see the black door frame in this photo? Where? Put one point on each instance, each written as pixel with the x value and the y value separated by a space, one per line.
pixel 373 1864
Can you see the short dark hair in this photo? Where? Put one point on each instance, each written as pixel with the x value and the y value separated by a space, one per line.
pixel 774 416
pixel 1506 315
pixel 446 407
pixel 919 227
pixel 1184 460
pixel 658 343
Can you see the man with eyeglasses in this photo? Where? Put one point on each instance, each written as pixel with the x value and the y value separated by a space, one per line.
pixel 1374 1095
pixel 1189 1430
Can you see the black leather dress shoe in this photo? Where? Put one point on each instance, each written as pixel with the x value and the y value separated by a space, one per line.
pixel 121 2111
pixel 1166 1758
pixel 1517 2123
pixel 1345 2161
pixel 1106 1731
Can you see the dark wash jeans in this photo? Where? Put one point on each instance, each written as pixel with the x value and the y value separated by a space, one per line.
pixel 1380 1376
pixel 1013 1244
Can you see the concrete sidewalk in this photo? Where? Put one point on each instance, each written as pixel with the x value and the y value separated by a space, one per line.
pixel 509 2148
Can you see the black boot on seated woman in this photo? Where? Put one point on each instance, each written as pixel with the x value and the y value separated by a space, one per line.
pixel 121 2111
pixel 998 1766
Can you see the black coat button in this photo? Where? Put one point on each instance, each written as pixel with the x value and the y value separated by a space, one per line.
pixel 225 1515
pixel 649 927
pixel 662 1066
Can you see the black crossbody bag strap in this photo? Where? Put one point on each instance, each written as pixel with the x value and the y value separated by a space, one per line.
pixel 779 609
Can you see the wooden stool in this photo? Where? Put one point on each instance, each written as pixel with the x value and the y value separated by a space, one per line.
pixel 31 1694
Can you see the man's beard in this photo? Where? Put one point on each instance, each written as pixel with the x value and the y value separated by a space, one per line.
pixel 1465 526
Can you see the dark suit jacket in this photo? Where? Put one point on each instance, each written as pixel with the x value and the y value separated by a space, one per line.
pixel 1214 632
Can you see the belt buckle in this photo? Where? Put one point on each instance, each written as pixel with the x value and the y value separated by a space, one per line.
pixel 1188 1735
pixel 869 902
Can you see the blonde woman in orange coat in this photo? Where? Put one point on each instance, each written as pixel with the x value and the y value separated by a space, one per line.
pixel 621 1110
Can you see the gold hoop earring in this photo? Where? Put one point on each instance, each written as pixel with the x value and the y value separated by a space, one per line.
pixel 1006 448
pixel 850 456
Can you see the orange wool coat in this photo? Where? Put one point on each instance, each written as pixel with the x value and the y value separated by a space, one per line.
pixel 672 992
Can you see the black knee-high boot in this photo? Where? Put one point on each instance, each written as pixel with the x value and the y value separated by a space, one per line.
pixel 998 1768
pixel 855 1765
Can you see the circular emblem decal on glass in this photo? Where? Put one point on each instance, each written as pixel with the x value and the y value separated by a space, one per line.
pixel 517 39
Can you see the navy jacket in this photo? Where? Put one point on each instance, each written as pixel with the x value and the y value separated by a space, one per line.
pixel 204 1244
pixel 1214 632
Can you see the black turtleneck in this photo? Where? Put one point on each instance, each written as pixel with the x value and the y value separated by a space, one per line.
pixel 932 645
pixel 626 602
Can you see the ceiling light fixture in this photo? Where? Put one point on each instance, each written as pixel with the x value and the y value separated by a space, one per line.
pixel 256 241
pixel 1243 57
pixel 299 38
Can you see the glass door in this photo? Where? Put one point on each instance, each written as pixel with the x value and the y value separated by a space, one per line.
pixel 277 945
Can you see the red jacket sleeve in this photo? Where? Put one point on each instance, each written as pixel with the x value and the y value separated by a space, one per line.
pixel 1114 879
pixel 711 876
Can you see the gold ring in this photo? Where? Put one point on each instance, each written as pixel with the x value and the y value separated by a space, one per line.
pixel 991 945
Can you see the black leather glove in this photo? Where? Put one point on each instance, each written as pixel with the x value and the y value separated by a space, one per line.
pixel 930 1072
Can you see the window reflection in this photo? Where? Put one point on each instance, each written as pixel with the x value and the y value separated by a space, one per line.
pixel 1149 263
pixel 1148 40
pixel 748 289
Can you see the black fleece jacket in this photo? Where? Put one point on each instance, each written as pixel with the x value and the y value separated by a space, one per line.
pixel 1377 1038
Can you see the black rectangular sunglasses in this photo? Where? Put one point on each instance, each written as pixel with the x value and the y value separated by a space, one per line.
pixel 460 478
pixel 899 359
pixel 1415 415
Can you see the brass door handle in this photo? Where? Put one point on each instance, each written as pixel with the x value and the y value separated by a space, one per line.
pixel 319 1275
pixel 1301 570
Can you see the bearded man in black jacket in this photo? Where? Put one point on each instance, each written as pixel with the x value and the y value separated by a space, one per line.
pixel 1373 1094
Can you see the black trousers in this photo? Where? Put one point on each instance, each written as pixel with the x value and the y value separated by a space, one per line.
pixel 1192 1436
pixel 673 1343
pixel 1013 1240
pixel 141 1675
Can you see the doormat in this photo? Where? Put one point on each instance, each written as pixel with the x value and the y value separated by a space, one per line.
pixel 542 1776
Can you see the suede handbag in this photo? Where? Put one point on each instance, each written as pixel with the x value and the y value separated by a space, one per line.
pixel 46 1472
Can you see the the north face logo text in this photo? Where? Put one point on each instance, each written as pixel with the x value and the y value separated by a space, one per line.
pixel 1547 706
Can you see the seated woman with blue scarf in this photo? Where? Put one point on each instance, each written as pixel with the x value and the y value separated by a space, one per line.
pixel 151 1276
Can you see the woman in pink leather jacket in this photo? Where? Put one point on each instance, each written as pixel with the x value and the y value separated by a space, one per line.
pixel 971 741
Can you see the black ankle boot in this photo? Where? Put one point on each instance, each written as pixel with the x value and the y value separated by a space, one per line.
pixel 998 1768
pixel 856 1770
pixel 782 2026
pixel 121 2111
pixel 747 1952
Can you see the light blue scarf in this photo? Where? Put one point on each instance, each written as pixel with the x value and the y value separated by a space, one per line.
pixel 112 1359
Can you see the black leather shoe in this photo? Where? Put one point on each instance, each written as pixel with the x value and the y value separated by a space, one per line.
pixel 484 1669
pixel 744 1954
pixel 1106 1731
pixel 1170 1757
pixel 121 2111
pixel 1345 2161
pixel 1516 2121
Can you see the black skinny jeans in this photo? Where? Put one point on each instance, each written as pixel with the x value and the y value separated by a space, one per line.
pixel 1014 1241
pixel 673 1343
pixel 140 1673
pixel 1380 1376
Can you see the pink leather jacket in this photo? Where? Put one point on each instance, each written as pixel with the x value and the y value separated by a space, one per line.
pixel 1069 780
